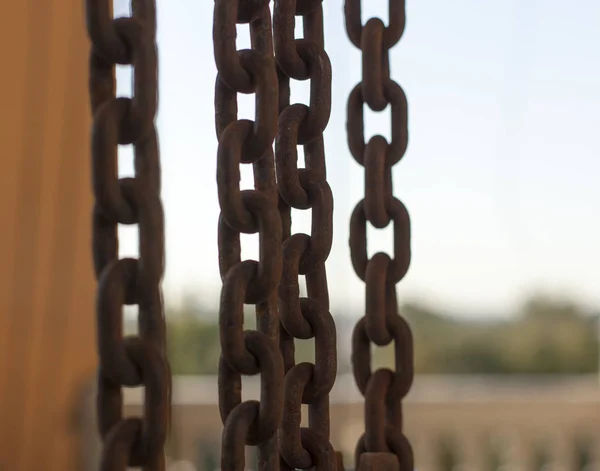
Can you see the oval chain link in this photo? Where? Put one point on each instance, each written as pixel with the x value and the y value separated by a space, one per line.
pixel 383 389
pixel 136 361
pixel 305 189
pixel 255 211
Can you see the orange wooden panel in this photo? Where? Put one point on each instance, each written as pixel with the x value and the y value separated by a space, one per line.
pixel 47 350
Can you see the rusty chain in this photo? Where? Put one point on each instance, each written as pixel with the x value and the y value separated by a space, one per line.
pixel 305 189
pixel 266 210
pixel 137 360
pixel 383 389
pixel 251 71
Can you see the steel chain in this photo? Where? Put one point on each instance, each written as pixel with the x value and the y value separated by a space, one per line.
pixel 305 189
pixel 138 360
pixel 383 389
pixel 252 211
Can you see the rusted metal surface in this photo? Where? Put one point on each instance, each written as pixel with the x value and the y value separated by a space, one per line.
pixel 382 324
pixel 272 282
pixel 252 211
pixel 138 360
pixel 305 255
pixel 378 462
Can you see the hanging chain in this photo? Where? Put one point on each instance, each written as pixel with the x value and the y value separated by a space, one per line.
pixel 138 360
pixel 253 211
pixel 383 389
pixel 303 254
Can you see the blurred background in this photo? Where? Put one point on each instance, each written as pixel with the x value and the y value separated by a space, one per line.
pixel 500 179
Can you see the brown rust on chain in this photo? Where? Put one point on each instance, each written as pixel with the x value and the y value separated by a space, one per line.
pixel 378 462
pixel 254 211
pixel 303 254
pixel 137 361
pixel 384 445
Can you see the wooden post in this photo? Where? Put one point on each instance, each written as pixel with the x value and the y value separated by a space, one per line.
pixel 47 351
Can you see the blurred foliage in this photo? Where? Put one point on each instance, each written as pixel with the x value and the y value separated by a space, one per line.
pixel 546 336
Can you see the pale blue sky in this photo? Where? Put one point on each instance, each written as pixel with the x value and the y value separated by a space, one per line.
pixel 501 172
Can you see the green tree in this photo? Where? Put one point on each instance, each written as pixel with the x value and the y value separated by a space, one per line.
pixel 548 336
pixel 193 342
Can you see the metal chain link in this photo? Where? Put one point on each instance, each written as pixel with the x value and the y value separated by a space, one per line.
pixel 303 254
pixel 138 360
pixel 383 389
pixel 253 211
